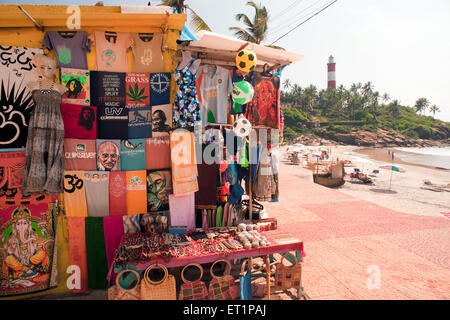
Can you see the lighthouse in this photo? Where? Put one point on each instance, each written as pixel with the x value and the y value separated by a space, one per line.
pixel 331 73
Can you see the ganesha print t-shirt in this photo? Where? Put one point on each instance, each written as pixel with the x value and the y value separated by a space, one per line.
pixel 111 50
pixel 70 47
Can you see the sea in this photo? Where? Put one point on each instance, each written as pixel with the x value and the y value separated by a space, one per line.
pixel 431 156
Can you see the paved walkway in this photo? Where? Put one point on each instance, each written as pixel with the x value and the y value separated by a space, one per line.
pixel 360 250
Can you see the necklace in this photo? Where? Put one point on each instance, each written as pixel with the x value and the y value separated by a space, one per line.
pixel 45 91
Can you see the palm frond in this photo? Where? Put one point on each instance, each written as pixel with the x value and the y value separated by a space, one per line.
pixel 242 34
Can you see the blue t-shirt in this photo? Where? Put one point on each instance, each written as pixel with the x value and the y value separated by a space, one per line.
pixel 139 122
pixel 159 88
pixel 132 154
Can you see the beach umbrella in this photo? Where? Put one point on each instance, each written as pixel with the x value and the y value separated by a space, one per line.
pixel 348 153
pixel 391 167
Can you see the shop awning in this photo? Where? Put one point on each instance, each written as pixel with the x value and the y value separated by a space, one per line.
pixel 213 46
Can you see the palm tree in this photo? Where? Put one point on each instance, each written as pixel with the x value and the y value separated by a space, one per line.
pixel 386 97
pixel 287 84
pixel 394 108
pixel 255 30
pixel 421 105
pixel 434 108
pixel 196 22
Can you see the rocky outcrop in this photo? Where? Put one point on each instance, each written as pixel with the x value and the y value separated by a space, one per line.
pixel 381 138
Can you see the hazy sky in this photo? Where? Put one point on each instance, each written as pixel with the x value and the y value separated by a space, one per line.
pixel 401 46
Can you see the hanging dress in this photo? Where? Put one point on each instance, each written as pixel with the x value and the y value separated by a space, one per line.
pixel 187 106
pixel 45 143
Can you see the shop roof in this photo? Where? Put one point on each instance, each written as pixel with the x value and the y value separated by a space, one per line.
pixel 216 46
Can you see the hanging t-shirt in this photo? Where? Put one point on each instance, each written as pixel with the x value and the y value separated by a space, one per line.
pixel 159 186
pixel 70 47
pixel 147 52
pixel 77 82
pixel 111 50
pixel 79 154
pixel 132 154
pixel 214 88
pixel 159 88
pixel 236 76
pixel 140 122
pixel 136 192
pixel 137 89
pixel 108 155
pixel 80 122
pixel 74 194
pixel 161 120
pixel 264 109
pixel 157 153
pixel 108 94
pixel 97 193
pixel 117 193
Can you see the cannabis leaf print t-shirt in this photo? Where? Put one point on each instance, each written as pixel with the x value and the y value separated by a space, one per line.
pixel 111 50
pixel 70 47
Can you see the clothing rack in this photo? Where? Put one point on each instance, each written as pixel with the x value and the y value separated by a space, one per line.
pixel 250 180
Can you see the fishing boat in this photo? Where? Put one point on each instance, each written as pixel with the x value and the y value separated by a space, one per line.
pixel 333 178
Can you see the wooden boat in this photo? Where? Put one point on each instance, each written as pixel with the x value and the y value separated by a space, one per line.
pixel 332 179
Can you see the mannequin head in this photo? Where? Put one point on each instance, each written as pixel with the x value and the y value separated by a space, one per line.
pixel 45 66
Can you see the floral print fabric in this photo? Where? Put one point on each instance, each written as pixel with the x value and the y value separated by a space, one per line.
pixel 187 106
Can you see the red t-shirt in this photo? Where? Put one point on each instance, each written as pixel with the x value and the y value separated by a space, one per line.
pixel 117 193
pixel 80 154
pixel 80 122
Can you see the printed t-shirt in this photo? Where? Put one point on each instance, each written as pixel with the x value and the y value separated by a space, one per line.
pixel 111 50
pixel 117 193
pixel 157 153
pixel 108 94
pixel 70 47
pixel 132 154
pixel 97 193
pixel 108 155
pixel 140 122
pixel 214 88
pixel 79 154
pixel 74 194
pixel 264 109
pixel 159 186
pixel 159 88
pixel 147 54
pixel 137 89
pixel 161 120
pixel 236 76
pixel 77 82
pixel 80 122
pixel 136 192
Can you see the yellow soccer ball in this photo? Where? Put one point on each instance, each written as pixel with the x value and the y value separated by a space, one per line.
pixel 246 60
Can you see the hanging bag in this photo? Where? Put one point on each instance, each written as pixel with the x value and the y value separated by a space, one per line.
pixel 116 292
pixel 245 281
pixel 287 277
pixel 193 290
pixel 164 289
pixel 224 287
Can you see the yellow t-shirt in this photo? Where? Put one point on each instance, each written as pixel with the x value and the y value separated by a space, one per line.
pixel 74 194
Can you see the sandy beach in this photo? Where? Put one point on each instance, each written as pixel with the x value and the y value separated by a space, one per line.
pixel 405 193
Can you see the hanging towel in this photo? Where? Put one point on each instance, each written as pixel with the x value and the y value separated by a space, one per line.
pixel 182 210
pixel 184 168
pixel 96 253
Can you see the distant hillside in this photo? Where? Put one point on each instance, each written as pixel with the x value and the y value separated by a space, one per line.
pixel 347 115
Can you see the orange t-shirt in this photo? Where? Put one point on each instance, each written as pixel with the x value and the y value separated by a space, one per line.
pixel 74 194
pixel 111 50
pixel 136 192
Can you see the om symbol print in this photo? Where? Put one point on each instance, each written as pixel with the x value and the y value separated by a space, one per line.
pixel 74 181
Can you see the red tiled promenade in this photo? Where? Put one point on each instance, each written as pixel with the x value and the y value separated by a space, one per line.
pixel 347 240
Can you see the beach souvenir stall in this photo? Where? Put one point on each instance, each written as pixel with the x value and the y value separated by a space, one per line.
pixel 96 176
